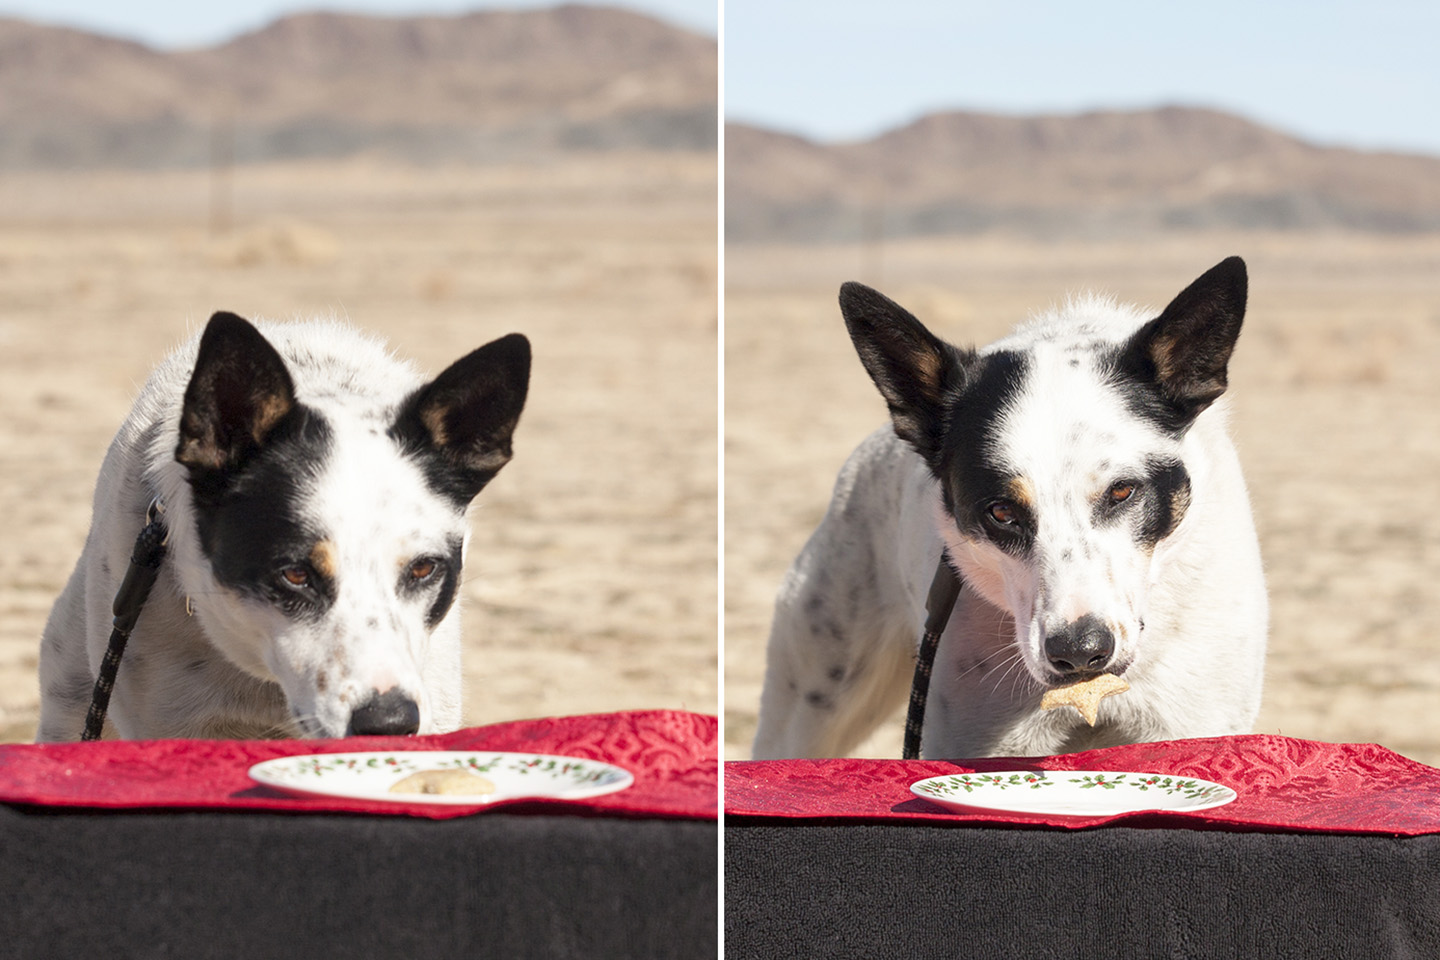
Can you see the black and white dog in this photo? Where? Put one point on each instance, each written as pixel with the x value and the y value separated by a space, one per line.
pixel 315 491
pixel 1079 477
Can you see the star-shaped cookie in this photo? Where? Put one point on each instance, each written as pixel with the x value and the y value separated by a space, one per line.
pixel 1086 695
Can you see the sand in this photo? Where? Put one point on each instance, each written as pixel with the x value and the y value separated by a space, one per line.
pixel 592 577
pixel 1336 404
pixel 591 581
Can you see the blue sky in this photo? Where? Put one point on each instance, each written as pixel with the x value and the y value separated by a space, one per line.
pixel 186 23
pixel 1357 73
pixel 1339 72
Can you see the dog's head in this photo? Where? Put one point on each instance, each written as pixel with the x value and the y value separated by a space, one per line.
pixel 332 533
pixel 1060 454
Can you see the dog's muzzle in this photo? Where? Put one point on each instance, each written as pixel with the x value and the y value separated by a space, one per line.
pixel 1082 647
pixel 391 713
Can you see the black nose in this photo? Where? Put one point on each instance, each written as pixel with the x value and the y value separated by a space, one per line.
pixel 391 713
pixel 1084 646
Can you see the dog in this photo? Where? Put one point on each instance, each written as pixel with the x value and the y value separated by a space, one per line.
pixel 1078 477
pixel 315 490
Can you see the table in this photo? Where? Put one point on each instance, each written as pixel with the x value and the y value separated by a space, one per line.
pixel 1332 850
pixel 222 868
pixel 814 889
pixel 257 885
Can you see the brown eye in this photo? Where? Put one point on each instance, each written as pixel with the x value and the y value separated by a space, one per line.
pixel 1121 492
pixel 422 569
pixel 296 576
pixel 1003 512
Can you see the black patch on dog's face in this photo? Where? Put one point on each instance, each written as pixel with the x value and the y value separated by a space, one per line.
pixel 947 403
pixel 972 484
pixel 250 522
pixel 1167 499
pixel 443 580
pixel 1157 501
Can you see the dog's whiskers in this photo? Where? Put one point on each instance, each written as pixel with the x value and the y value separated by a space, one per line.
pixel 295 728
pixel 1016 677
pixel 1022 677
pixel 1006 673
pixel 979 663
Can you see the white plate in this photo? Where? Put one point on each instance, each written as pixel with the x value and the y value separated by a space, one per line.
pixel 369 776
pixel 1075 793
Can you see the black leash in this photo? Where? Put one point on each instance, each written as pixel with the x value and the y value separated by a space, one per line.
pixel 144 567
pixel 944 590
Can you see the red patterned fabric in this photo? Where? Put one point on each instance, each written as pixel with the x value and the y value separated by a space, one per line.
pixel 673 755
pixel 1282 784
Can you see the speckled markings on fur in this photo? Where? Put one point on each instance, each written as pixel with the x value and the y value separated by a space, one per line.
pixel 1079 476
pixel 317 529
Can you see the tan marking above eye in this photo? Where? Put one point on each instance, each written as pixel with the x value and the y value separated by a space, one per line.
pixel 1020 493
pixel 322 559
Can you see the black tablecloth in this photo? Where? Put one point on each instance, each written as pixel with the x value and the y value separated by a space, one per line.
pixel 813 888
pixel 76 884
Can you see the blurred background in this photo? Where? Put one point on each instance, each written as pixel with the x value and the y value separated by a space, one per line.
pixel 439 173
pixel 978 162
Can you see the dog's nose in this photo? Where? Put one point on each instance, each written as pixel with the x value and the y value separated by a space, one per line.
pixel 1084 646
pixel 390 713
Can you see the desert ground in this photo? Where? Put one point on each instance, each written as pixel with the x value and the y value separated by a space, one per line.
pixel 1336 413
pixel 592 568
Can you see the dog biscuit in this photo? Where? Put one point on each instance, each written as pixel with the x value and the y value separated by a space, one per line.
pixel 443 781
pixel 1086 695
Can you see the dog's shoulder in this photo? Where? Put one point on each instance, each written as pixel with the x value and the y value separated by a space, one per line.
pixel 880 469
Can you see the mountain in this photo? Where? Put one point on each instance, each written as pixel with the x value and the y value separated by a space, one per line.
pixel 1093 174
pixel 484 85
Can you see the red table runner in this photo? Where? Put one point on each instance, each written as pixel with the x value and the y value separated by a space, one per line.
pixel 1283 784
pixel 672 754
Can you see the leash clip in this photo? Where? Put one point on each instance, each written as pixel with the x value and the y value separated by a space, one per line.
pixel 156 511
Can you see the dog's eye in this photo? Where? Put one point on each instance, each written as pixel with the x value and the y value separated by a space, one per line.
pixel 1003 512
pixel 1120 492
pixel 296 576
pixel 422 569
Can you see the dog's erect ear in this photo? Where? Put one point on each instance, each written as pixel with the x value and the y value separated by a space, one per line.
pixel 239 391
pixel 1183 354
pixel 461 423
pixel 915 370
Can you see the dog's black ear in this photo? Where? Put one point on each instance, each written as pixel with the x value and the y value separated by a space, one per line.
pixel 1183 354
pixel 915 370
pixel 238 392
pixel 460 424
